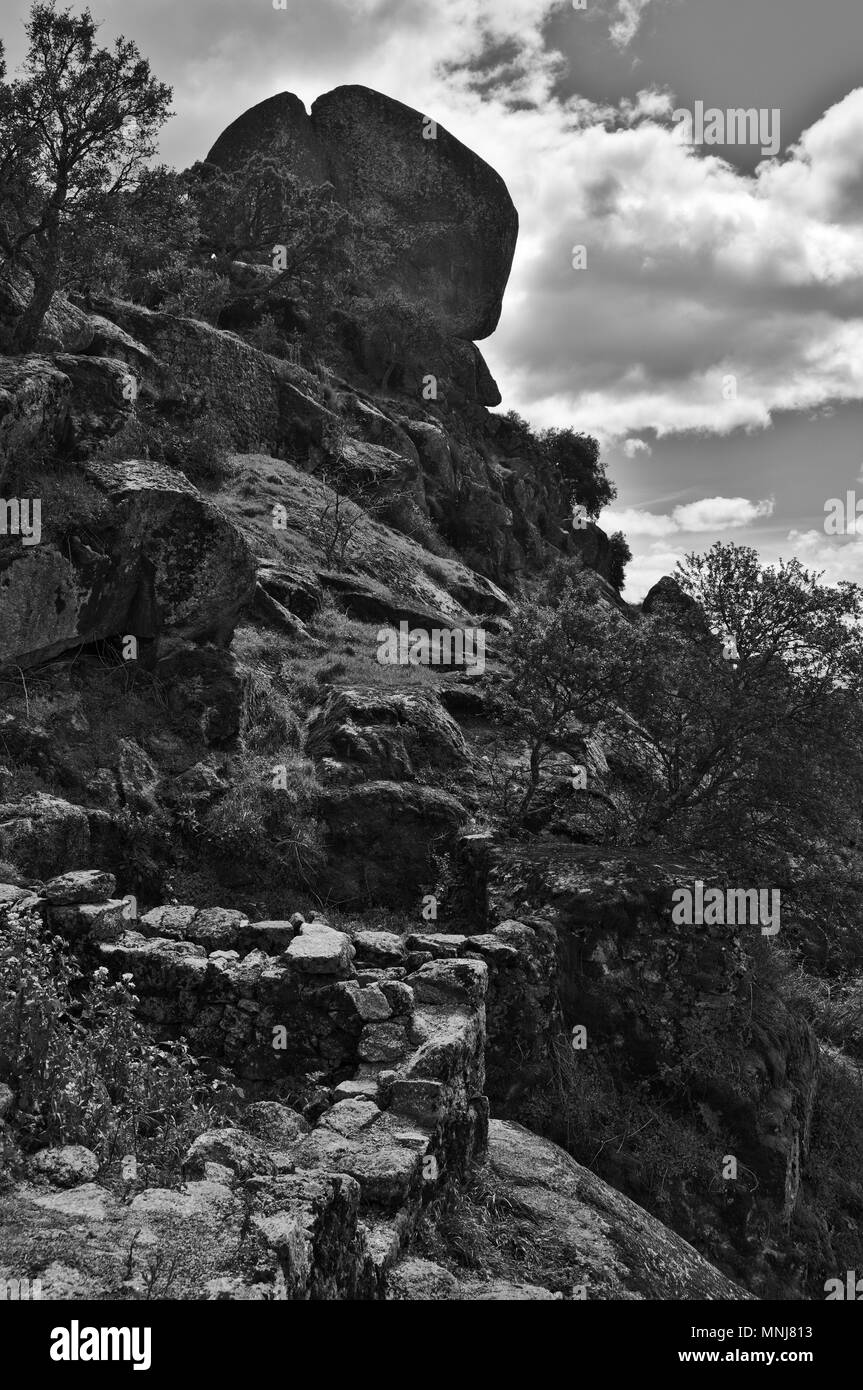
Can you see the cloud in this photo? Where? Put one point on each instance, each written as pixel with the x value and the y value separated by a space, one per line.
pixel 633 522
pixel 633 447
pixel 647 567
pixel 721 513
pixel 836 558
pixel 711 299
pixel 710 514
pixel 628 22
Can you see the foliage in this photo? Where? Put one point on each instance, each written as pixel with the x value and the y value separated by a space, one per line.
pixel 405 328
pixel 198 447
pixel 82 1066
pixel 567 652
pixel 577 457
pixel 139 247
pixel 342 512
pixel 767 745
pixel 620 558
pixel 247 212
pixel 266 825
pixel 77 129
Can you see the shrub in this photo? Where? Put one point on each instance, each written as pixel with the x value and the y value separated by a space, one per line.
pixel 198 293
pixel 267 337
pixel 577 457
pixel 263 824
pixel 567 652
pixel 82 1066
pixel 198 447
pixel 620 558
pixel 623 1132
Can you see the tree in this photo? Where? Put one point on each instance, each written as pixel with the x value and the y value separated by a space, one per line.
pixel 567 653
pixel 256 207
pixel 406 330
pixel 76 130
pixel 620 556
pixel 753 738
pixel 141 245
pixel 577 457
pixel 344 509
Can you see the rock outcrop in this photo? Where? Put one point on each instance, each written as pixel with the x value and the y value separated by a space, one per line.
pixel 451 217
pixel 658 1000
pixel 167 568
pixel 613 1248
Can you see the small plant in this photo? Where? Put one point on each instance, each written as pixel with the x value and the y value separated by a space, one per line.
pixel 267 337
pixel 82 1065
pixel 266 817
pixel 198 447
pixel 198 294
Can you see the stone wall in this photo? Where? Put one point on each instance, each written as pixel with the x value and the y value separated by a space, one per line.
pixel 390 1033
pixel 392 1030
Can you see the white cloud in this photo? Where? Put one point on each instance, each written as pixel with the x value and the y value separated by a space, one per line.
pixel 648 566
pixel 721 513
pixel 628 21
pixel 709 514
pixel 837 558
pixel 633 447
pixel 633 522
pixel 696 273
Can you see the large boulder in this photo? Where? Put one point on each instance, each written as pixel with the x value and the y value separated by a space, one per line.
pixel 384 837
pixel 601 1241
pixel 43 834
pixel 386 734
pixel 170 567
pixel 34 407
pixel 193 365
pixel 451 217
pixel 65 328
pixel 103 394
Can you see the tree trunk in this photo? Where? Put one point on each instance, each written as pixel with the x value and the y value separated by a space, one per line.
pixel 535 774
pixel 29 325
pixel 46 276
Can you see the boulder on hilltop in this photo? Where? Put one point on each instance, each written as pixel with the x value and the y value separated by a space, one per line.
pixel 452 220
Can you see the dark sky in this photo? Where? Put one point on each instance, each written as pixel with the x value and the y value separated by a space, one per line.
pixel 714 341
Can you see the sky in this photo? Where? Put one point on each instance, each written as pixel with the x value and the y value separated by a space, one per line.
pixel 710 333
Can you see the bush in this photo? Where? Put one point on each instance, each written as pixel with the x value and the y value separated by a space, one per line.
pixel 268 826
pixel 197 293
pixel 198 447
pixel 623 1132
pixel 267 337
pixel 577 457
pixel 620 558
pixel 82 1066
pixel 567 652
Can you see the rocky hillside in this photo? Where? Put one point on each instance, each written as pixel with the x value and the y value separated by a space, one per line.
pixel 287 861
